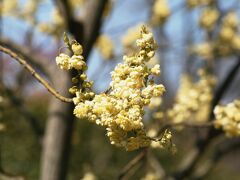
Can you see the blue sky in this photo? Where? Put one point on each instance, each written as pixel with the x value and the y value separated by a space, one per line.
pixel 125 14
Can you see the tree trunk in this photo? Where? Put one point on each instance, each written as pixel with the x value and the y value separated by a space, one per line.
pixel 59 128
pixel 56 144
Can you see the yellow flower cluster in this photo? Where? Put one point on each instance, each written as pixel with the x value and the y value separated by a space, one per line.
pixel 160 12
pixel 228 118
pixel 121 110
pixel 193 99
pixel 105 46
pixel 194 3
pixel 209 18
pixel 76 61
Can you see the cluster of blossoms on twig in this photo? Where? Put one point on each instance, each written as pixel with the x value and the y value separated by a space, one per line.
pixel 193 99
pixel 121 109
pixel 228 118
pixel 76 63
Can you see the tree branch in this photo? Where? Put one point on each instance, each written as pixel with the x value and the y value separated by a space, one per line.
pixel 85 30
pixel 25 54
pixel 35 74
pixel 219 152
pixel 131 164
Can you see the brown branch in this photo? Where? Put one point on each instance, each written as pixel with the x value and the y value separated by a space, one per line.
pixel 224 86
pixel 157 166
pixel 35 74
pixel 60 124
pixel 26 54
pixel 85 30
pixel 131 164
pixel 219 152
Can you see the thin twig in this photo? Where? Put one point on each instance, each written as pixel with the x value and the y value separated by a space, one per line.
pixel 219 152
pixel 35 74
pixel 37 63
pixel 131 164
pixel 157 166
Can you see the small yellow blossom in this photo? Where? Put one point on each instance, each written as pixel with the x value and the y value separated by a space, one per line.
pixel 76 61
pixel 156 70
